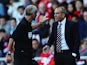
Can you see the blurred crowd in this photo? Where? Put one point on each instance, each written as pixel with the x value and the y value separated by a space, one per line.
pixel 12 11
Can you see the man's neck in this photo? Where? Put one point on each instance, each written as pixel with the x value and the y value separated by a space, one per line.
pixel 61 20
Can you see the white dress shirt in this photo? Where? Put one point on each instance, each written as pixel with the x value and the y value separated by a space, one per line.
pixel 63 41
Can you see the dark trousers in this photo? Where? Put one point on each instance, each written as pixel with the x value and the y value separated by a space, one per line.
pixel 64 58
pixel 22 59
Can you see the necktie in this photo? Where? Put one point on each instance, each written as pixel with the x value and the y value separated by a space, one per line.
pixel 58 41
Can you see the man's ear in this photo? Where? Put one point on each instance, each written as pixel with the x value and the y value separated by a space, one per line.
pixel 31 16
pixel 33 13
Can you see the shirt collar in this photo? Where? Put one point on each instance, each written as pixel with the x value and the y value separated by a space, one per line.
pixel 63 21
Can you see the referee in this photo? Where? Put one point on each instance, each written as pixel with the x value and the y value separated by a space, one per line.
pixel 21 38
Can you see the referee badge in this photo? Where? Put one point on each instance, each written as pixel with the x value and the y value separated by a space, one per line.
pixel 29 35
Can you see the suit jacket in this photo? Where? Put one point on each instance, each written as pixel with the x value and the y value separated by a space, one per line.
pixel 71 36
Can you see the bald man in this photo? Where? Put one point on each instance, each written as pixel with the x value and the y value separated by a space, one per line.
pixel 65 38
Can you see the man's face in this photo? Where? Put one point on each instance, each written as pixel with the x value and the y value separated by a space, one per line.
pixel 35 44
pixel 34 16
pixel 58 14
pixel 21 11
pixel 85 16
pixel 34 1
pixel 2 21
pixel 31 17
pixel 13 23
pixel 42 8
pixel 70 7
pixel 78 4
pixel 2 35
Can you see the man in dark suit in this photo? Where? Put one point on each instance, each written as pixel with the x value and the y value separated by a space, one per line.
pixel 65 38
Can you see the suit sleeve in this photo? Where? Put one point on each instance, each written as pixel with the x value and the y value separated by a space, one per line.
pixel 51 37
pixel 76 39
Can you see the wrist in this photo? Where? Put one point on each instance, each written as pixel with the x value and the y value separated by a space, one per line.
pixel 40 24
pixel 9 52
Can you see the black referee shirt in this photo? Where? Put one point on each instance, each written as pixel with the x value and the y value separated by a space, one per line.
pixel 23 37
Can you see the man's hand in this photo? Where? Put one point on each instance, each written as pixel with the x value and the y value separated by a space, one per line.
pixel 43 19
pixel 8 58
pixel 46 49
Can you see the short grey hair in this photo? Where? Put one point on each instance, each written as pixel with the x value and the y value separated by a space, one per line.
pixel 30 9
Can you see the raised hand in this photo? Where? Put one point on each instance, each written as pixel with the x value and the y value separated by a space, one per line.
pixel 43 19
